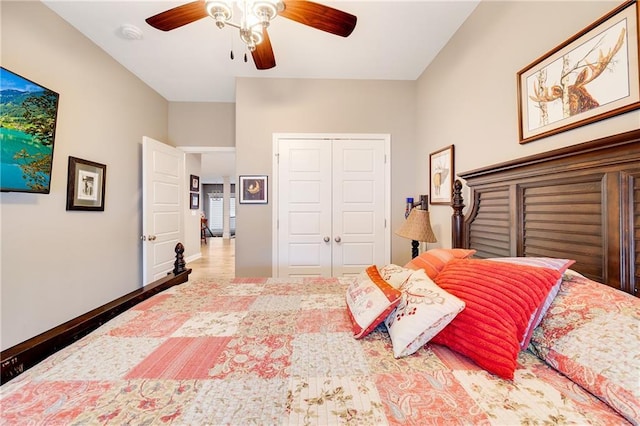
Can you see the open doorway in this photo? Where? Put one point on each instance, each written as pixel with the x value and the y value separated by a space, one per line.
pixel 218 209
pixel 217 194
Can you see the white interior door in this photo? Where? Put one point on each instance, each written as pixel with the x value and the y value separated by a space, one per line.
pixel 358 206
pixel 162 207
pixel 331 206
pixel 304 191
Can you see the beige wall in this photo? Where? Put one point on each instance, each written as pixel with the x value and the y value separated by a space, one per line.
pixel 199 124
pixel 267 106
pixel 58 264
pixel 191 238
pixel 467 96
pixel 202 124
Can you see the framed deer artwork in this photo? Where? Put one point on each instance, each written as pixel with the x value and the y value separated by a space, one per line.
pixel 441 174
pixel 592 76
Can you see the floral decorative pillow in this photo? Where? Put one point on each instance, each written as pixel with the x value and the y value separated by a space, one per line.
pixel 432 261
pixel 369 300
pixel 591 335
pixel 424 310
pixel 500 298
pixel 560 265
pixel 395 275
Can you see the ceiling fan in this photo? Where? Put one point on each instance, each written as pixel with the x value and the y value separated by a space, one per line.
pixel 255 17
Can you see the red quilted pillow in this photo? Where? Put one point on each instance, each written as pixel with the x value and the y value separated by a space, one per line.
pixel 500 298
pixel 432 261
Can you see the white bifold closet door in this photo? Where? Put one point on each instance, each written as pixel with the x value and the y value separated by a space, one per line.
pixel 331 206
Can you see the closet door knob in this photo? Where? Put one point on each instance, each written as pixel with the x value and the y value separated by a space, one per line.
pixel 338 239
pixel 326 239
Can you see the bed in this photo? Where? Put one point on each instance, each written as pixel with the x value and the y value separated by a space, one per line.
pixel 369 350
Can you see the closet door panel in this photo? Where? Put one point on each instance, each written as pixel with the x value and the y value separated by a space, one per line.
pixel 304 189
pixel 358 205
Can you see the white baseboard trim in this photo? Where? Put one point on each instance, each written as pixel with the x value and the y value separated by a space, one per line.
pixel 193 257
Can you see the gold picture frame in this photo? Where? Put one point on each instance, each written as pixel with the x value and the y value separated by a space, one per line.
pixel 441 174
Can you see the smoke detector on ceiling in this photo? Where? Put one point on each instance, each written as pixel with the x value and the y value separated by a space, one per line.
pixel 130 32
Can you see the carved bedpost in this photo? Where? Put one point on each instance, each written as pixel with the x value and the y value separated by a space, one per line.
pixel 457 219
pixel 179 265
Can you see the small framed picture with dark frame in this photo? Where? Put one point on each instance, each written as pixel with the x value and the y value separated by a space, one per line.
pixel 253 189
pixel 86 182
pixel 194 201
pixel 194 183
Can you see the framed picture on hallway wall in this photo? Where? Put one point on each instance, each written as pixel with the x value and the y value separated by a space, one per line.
pixel 592 76
pixel 85 185
pixel 194 201
pixel 194 183
pixel 253 189
pixel 441 174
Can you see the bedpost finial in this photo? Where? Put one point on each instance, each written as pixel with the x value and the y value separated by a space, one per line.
pixel 457 202
pixel 457 219
pixel 179 265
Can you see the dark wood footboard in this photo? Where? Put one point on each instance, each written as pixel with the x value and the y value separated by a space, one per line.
pixel 580 202
pixel 25 355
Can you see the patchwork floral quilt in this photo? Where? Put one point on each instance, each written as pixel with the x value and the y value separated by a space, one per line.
pixel 270 351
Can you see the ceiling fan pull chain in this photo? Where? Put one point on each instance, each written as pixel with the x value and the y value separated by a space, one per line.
pixel 245 56
pixel 231 55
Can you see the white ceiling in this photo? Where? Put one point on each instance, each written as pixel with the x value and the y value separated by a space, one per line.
pixel 393 40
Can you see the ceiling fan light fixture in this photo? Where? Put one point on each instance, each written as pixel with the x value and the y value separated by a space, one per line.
pixel 220 11
pixel 251 38
pixel 266 10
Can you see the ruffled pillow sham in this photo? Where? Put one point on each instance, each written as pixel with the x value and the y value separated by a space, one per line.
pixel 590 334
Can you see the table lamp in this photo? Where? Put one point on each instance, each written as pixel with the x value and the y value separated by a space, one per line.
pixel 417 228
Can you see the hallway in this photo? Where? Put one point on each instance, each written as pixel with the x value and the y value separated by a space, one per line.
pixel 217 261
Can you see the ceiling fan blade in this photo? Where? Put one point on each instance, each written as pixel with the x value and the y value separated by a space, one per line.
pixel 263 54
pixel 178 16
pixel 318 16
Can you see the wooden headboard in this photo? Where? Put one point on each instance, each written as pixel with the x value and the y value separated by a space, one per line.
pixel 580 202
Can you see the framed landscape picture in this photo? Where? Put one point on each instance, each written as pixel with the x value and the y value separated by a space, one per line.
pixel 28 116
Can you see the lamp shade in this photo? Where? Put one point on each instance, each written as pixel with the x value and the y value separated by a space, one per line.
pixel 417 227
